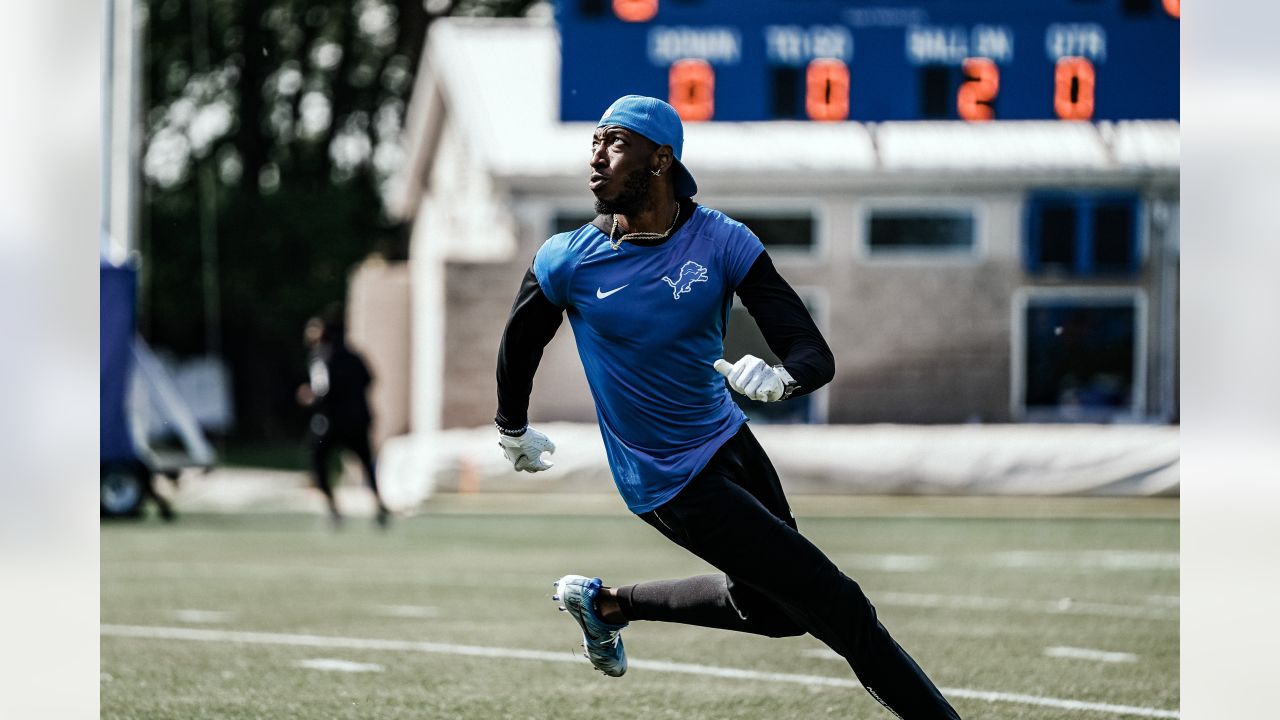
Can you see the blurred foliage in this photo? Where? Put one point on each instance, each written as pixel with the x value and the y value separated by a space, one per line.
pixel 270 129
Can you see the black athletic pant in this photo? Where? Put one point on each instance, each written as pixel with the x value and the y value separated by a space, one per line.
pixel 322 447
pixel 734 515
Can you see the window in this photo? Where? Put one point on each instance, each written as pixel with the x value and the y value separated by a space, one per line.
pixel 920 230
pixel 1080 356
pixel 1082 234
pixel 743 337
pixel 1057 237
pixel 780 230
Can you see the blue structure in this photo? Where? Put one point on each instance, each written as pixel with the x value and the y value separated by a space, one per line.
pixel 881 61
pixel 127 464
pixel 117 290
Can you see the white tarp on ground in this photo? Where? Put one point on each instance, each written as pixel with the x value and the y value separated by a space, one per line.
pixel 1135 460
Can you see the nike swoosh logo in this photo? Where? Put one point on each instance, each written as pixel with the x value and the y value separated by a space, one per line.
pixel 603 295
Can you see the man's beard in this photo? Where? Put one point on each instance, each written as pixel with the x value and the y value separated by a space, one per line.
pixel 633 199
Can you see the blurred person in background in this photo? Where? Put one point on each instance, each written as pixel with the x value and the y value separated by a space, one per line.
pixel 647 287
pixel 335 393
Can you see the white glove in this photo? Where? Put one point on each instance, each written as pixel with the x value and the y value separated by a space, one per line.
pixel 755 378
pixel 525 451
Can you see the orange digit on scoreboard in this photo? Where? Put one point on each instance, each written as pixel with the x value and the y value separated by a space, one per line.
pixel 635 10
pixel 979 89
pixel 826 95
pixel 1073 82
pixel 691 87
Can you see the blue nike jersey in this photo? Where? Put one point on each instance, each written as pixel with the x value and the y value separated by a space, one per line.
pixel 649 323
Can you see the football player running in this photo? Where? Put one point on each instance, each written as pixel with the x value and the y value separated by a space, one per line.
pixel 647 287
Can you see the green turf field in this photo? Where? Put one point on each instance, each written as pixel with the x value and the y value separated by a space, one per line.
pixel 1053 609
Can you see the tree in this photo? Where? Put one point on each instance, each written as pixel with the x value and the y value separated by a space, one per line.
pixel 270 129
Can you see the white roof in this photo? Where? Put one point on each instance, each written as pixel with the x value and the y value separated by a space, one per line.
pixel 500 80
pixel 1147 144
pixel 990 146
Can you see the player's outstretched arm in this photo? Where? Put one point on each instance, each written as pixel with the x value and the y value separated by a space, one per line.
pixel 531 325
pixel 787 328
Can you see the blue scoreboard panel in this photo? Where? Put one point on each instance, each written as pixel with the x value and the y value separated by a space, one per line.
pixel 833 60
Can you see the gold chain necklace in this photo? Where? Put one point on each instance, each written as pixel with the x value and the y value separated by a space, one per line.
pixel 615 244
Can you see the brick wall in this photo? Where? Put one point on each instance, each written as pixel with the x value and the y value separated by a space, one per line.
pixel 479 298
pixel 378 326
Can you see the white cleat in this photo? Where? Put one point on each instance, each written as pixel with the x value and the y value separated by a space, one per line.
pixel 602 640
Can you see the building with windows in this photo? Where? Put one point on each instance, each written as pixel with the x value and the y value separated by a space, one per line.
pixel 962 272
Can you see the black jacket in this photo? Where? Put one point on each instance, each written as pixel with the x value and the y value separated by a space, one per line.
pixel 345 404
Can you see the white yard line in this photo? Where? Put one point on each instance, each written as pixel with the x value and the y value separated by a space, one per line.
pixel 895 563
pixel 1032 560
pixel 1121 560
pixel 1062 606
pixel 322 641
pixel 1075 653
pixel 201 616
pixel 130 570
pixel 336 665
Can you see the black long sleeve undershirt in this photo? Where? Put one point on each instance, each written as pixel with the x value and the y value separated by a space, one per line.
pixel 787 326
pixel 532 323
pixel 782 317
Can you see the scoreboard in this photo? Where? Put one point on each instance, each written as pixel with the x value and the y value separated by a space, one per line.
pixel 876 60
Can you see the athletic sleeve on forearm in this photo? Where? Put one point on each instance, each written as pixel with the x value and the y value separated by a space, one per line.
pixel 530 326
pixel 786 325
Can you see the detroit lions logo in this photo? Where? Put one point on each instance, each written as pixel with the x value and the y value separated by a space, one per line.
pixel 690 273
